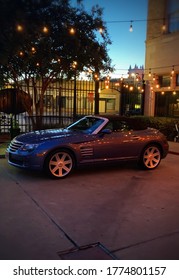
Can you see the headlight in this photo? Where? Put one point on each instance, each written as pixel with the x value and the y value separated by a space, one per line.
pixel 29 147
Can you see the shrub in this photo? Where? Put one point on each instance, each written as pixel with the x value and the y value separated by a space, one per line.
pixel 164 124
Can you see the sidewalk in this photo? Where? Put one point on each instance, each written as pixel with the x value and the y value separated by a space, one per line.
pixel 173 148
pixel 3 147
pixel 4 142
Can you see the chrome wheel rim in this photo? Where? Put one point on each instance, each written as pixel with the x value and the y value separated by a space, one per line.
pixel 151 157
pixel 60 164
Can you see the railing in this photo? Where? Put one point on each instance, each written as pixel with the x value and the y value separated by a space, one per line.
pixel 14 125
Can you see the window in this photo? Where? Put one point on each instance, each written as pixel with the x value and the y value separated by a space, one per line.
pixel 177 80
pixel 173 15
pixel 164 81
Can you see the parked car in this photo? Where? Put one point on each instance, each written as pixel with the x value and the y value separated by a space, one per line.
pixel 91 139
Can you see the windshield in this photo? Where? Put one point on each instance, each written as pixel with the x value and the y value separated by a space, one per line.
pixel 86 124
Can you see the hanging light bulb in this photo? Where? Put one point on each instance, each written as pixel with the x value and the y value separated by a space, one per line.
pixel 45 29
pixel 33 50
pixel 72 30
pixel 19 28
pixel 173 71
pixel 164 26
pixel 131 27
pixel 150 72
pixel 101 30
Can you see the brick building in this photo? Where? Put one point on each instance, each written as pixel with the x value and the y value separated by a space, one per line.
pixel 162 59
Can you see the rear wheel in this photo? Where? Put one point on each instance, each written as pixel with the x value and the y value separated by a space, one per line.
pixel 150 157
pixel 59 164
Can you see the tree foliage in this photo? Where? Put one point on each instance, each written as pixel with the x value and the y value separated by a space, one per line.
pixel 41 39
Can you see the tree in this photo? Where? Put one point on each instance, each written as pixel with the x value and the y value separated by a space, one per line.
pixel 42 39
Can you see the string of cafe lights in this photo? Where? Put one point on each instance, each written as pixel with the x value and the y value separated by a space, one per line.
pixel 132 21
pixel 72 31
pixel 149 70
pixel 126 21
pixel 163 28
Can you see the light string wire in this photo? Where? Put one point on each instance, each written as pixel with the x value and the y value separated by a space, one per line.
pixel 164 19
pixel 139 20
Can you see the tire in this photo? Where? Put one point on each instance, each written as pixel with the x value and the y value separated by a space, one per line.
pixel 59 164
pixel 151 157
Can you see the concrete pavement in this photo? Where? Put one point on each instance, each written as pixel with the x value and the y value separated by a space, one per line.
pixel 133 213
pixel 18 205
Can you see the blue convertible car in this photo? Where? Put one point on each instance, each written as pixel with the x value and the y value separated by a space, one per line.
pixel 92 139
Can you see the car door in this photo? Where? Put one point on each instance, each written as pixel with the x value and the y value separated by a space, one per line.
pixel 120 143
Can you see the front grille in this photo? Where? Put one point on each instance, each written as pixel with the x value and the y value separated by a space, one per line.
pixel 14 146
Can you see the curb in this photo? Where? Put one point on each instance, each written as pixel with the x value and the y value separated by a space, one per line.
pixel 173 153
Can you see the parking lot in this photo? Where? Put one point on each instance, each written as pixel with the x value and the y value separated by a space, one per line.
pixel 132 213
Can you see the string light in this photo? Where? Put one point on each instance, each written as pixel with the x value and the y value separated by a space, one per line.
pixel 107 82
pixel 164 26
pixel 140 20
pixel 74 65
pixel 101 30
pixel 173 71
pixel 33 50
pixel 131 27
pixel 72 30
pixel 19 28
pixel 153 68
pixel 96 77
pixel 150 72
pixel 45 29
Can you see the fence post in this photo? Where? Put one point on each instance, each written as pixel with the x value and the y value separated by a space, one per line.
pixel 96 97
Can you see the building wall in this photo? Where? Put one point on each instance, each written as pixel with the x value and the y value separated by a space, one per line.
pixel 162 54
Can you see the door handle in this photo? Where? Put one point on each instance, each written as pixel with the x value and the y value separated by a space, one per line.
pixel 135 137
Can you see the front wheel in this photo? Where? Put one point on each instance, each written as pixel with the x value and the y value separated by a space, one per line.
pixel 59 164
pixel 150 157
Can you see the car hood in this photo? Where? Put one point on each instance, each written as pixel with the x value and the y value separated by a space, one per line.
pixel 44 135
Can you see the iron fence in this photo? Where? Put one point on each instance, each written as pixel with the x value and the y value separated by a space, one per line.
pixel 58 104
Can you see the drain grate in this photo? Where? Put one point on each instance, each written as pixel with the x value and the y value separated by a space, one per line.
pixel 95 251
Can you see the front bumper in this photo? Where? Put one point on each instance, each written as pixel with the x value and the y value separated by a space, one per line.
pixel 24 161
